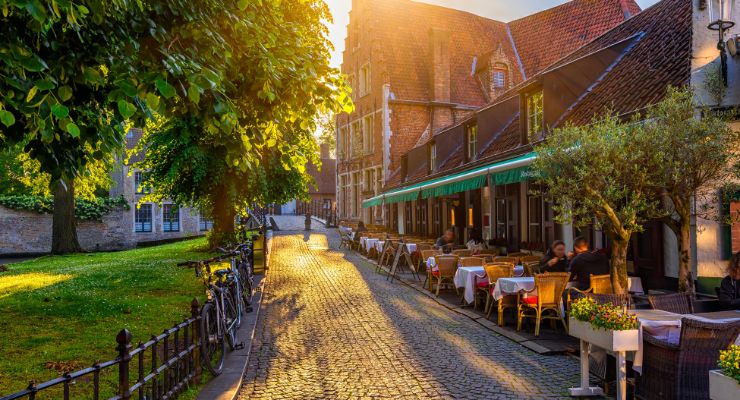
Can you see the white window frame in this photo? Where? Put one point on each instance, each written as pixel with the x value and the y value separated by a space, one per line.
pixel 471 133
pixel 433 156
pixel 533 113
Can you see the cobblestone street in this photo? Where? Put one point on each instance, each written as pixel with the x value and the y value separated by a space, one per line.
pixel 330 327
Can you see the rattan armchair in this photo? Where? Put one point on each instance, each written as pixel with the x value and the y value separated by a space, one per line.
pixel 446 268
pixel 495 271
pixel 679 303
pixel 462 253
pixel 526 259
pixel 681 371
pixel 512 260
pixel 531 268
pixel 599 284
pixel 549 297
pixel 471 262
pixel 423 258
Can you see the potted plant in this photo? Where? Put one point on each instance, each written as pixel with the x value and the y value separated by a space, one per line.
pixel 604 325
pixel 724 384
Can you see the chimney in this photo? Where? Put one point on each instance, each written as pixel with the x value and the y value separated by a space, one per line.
pixel 440 41
pixel 324 151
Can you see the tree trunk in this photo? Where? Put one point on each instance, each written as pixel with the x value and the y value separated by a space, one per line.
pixel 223 216
pixel 64 224
pixel 685 278
pixel 619 265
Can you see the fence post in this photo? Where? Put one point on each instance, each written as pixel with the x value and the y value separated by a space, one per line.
pixel 194 313
pixel 124 356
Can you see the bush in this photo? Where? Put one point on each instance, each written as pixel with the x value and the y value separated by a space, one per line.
pixel 729 362
pixel 604 316
pixel 88 210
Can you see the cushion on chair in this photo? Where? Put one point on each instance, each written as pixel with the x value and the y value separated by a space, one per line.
pixel 530 300
pixel 482 284
pixel 435 273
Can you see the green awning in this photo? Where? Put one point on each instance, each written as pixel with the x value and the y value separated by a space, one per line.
pixel 521 174
pixel 455 187
pixel 375 201
pixel 397 198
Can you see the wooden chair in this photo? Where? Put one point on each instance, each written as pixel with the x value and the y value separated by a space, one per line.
pixel 472 262
pixel 512 260
pixel 347 241
pixel 425 254
pixel 493 273
pixel 446 268
pixel 462 253
pixel 681 371
pixel 679 303
pixel 531 268
pixel 549 297
pixel 517 254
pixel 488 252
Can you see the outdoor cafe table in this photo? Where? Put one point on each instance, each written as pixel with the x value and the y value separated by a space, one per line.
pixel 363 239
pixel 666 326
pixel 512 286
pixel 466 277
pixel 518 269
pixel 411 247
pixel 370 243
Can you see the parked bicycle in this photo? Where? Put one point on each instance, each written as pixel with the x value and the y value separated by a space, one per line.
pixel 221 315
pixel 242 261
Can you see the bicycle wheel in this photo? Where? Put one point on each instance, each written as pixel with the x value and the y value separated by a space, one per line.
pixel 212 343
pixel 231 323
pixel 245 276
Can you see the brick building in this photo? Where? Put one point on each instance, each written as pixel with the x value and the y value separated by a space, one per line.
pixel 323 195
pixel 417 68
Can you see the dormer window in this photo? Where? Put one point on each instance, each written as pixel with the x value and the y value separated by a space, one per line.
pixel 499 78
pixel 535 118
pixel 471 137
pixel 432 157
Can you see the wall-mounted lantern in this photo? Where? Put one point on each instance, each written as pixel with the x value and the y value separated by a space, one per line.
pixel 721 15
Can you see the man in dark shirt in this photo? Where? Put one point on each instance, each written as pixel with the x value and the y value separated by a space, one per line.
pixel 447 241
pixel 729 288
pixel 586 263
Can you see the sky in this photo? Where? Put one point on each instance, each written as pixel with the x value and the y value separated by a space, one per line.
pixel 501 10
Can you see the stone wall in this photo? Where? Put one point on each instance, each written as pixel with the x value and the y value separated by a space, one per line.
pixel 29 232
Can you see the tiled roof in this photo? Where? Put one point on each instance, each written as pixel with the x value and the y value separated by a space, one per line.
pixel 659 55
pixel 547 36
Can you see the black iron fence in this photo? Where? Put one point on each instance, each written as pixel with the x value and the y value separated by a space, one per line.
pixel 320 209
pixel 161 368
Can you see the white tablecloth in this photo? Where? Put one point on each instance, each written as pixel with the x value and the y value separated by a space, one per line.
pixel 508 286
pixel 634 284
pixel 468 277
pixel 411 247
pixel 363 239
pixel 370 243
pixel 379 246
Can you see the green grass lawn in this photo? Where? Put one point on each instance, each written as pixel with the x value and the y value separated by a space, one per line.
pixel 63 312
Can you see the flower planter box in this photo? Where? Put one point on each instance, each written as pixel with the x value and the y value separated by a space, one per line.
pixel 608 340
pixel 722 387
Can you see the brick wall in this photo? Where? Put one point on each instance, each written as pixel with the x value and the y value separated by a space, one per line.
pixel 29 232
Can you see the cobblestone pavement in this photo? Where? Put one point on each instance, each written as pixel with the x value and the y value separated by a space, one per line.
pixel 330 327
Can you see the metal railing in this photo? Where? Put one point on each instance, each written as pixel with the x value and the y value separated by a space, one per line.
pixel 159 369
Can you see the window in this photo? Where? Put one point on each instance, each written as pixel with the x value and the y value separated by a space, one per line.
pixel 356 178
pixel 369 181
pixel 535 219
pixel 365 80
pixel 138 180
pixel 143 218
pixel 170 218
pixel 471 220
pixel 205 223
pixel 432 157
pixel 353 85
pixel 356 141
pixel 368 134
pixel 344 143
pixel 499 78
pixel 472 139
pixel 379 181
pixel 534 115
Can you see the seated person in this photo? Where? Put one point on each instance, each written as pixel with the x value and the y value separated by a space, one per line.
pixel 585 263
pixel 554 259
pixel 447 241
pixel 476 242
pixel 359 231
pixel 729 288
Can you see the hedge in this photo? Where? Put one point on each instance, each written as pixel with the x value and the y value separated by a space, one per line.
pixel 88 210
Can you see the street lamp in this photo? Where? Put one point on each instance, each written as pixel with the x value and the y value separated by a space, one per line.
pixel 720 15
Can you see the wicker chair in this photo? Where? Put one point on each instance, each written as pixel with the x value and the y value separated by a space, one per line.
pixel 472 262
pixel 488 252
pixel 622 300
pixel 493 273
pixel 599 284
pixel 425 254
pixel 446 268
pixel 526 259
pixel 512 260
pixel 517 254
pixel 462 253
pixel 347 241
pixel 531 268
pixel 679 303
pixel 550 288
pixel 681 371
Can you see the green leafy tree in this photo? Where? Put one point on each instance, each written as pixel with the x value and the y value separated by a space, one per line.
pixel 250 142
pixel 697 155
pixel 601 173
